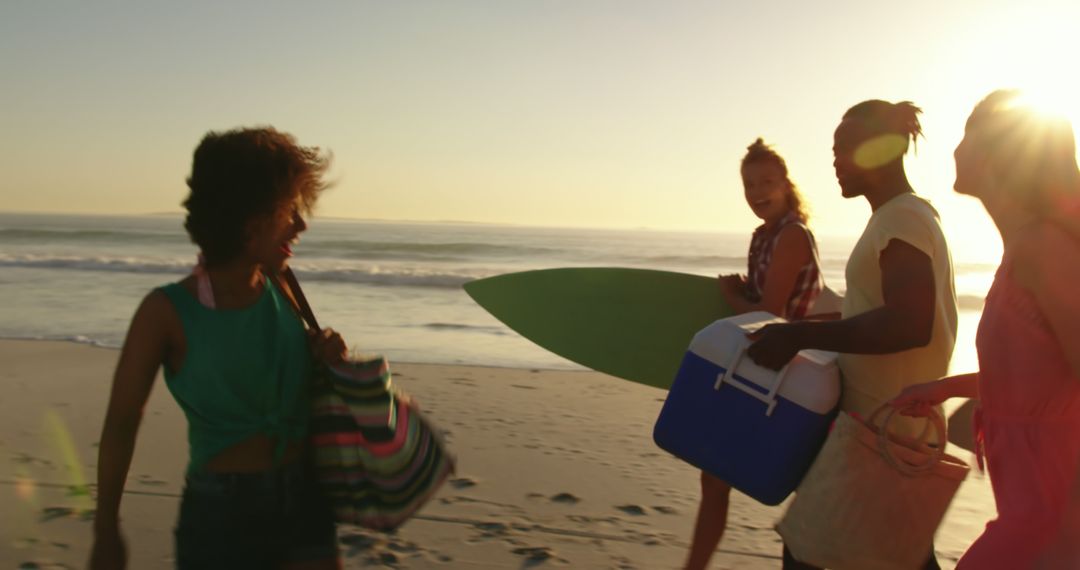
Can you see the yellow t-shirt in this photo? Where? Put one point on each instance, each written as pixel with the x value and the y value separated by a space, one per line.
pixel 872 379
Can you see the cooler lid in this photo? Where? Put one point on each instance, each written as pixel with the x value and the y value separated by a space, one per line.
pixel 812 379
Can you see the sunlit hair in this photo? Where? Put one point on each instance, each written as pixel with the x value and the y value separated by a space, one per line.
pixel 242 175
pixel 1034 153
pixel 893 127
pixel 760 152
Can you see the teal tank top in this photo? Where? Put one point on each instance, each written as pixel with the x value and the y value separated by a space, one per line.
pixel 245 373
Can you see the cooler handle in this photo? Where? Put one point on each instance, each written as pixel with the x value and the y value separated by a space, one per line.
pixel 769 398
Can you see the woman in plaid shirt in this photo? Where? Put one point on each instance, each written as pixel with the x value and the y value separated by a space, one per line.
pixel 783 278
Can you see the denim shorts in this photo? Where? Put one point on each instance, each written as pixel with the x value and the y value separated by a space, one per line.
pixel 253 520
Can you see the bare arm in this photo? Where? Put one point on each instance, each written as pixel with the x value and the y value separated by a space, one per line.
pixel 791 253
pixel 145 348
pixel 905 321
pixel 961 385
pixel 918 399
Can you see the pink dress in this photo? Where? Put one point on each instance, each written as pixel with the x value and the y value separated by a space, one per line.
pixel 1029 424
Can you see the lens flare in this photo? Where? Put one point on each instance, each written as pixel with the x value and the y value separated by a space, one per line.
pixel 1050 95
pixel 880 150
pixel 25 489
pixel 76 477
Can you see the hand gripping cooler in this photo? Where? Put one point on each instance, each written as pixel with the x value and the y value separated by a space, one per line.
pixel 755 428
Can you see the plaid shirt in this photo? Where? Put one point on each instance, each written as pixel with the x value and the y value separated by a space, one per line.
pixel 809 283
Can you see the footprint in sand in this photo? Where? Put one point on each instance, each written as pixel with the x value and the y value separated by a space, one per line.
pixel 632 510
pixel 462 483
pixel 565 498
pixel 52 513
pixel 404 547
pixel 666 510
pixel 493 528
pixel 360 542
pixel 535 554
pixel 491 531
pixel 377 549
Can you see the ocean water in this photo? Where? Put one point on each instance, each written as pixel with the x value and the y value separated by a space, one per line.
pixel 388 287
pixel 395 288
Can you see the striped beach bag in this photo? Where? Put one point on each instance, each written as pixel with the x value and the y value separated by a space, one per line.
pixel 377 459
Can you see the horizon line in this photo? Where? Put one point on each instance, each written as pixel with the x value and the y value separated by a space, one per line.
pixel 179 213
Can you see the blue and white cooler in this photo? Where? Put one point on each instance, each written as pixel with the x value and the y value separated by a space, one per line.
pixel 755 428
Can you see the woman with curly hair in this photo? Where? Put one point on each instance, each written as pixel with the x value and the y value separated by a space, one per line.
pixel 783 278
pixel 237 360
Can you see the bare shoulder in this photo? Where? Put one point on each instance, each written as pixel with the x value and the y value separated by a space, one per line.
pixel 794 238
pixel 156 304
pixel 795 232
pixel 157 315
pixel 1044 254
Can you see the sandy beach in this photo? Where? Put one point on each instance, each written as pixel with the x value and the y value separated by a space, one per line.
pixel 555 469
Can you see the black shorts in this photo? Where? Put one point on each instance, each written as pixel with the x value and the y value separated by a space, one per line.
pixel 253 520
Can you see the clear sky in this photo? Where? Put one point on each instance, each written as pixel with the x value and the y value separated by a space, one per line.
pixel 595 113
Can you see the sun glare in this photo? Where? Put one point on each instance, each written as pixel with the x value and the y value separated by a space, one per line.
pixel 1026 46
pixel 1060 100
pixel 1031 49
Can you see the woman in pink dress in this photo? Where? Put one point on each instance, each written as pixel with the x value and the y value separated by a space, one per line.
pixel 1022 166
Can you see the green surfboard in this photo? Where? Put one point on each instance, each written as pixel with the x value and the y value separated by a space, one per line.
pixel 630 323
